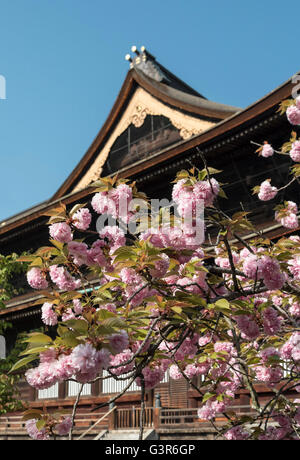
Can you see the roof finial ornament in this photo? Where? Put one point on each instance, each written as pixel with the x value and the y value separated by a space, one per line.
pixel 146 63
pixel 135 50
pixel 129 59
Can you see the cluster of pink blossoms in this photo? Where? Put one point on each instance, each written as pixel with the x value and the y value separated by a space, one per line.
pixel 236 433
pixel 294 267
pixel 267 191
pixel 153 375
pixel 101 251
pixel 187 196
pixel 122 363
pixel 264 268
pixel 100 254
pixel 84 363
pixel 224 370
pixel 62 278
pixel 62 428
pixel 136 289
pixel 288 215
pixel 177 238
pixel 248 327
pixel 294 309
pixel 50 316
pixel 192 199
pixel 295 151
pixel 82 219
pixel 115 202
pixel 267 151
pixel 34 432
pixel 222 373
pixel 62 231
pixel 37 278
pixel 266 320
pixel 293 112
pixel 280 429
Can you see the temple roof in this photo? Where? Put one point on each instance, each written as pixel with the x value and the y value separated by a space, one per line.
pixel 148 79
pixel 149 72
pixel 236 121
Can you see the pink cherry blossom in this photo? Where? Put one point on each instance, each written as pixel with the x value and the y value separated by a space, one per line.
pixel 267 191
pixel 82 219
pixel 152 376
pixel 248 327
pixel 119 342
pixel 37 279
pixel 267 151
pixel 78 251
pixel 64 426
pixel 49 316
pixel 295 151
pixel 293 115
pixel 269 375
pixel 34 432
pixel 236 433
pixel 61 232
pixel 119 363
pixel 62 278
pixel 294 267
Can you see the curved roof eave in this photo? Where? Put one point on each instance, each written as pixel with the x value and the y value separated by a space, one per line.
pixel 183 100
pixel 265 103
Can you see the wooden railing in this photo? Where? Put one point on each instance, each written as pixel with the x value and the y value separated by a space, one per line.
pixel 189 417
pixel 130 418
pixel 93 424
pixel 177 416
pixel 12 423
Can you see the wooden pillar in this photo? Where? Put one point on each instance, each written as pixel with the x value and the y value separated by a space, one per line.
pixel 32 393
pixel 156 417
pixel 95 390
pixel 62 390
pixel 112 419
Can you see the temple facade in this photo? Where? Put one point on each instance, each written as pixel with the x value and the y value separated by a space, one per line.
pixel 157 126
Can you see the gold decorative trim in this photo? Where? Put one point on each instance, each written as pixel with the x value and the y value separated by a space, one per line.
pixel 141 105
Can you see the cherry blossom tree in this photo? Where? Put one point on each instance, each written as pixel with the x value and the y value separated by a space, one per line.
pixel 144 295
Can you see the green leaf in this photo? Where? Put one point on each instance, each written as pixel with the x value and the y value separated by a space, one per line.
pixel 37 262
pixel 57 244
pixel 38 337
pixel 40 424
pixel 213 170
pixel 177 309
pixel 223 303
pixel 124 253
pixel 76 208
pixel 208 396
pixel 31 351
pixel 103 314
pixel 22 362
pixel 222 194
pixel 32 413
pixel 79 325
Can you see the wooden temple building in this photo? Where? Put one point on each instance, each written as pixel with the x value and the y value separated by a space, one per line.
pixel 156 127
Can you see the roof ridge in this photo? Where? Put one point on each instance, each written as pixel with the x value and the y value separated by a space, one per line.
pixel 146 63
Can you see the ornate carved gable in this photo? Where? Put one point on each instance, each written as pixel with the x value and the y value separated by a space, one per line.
pixel 142 105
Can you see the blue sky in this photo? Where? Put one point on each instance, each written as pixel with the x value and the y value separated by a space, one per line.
pixel 63 62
